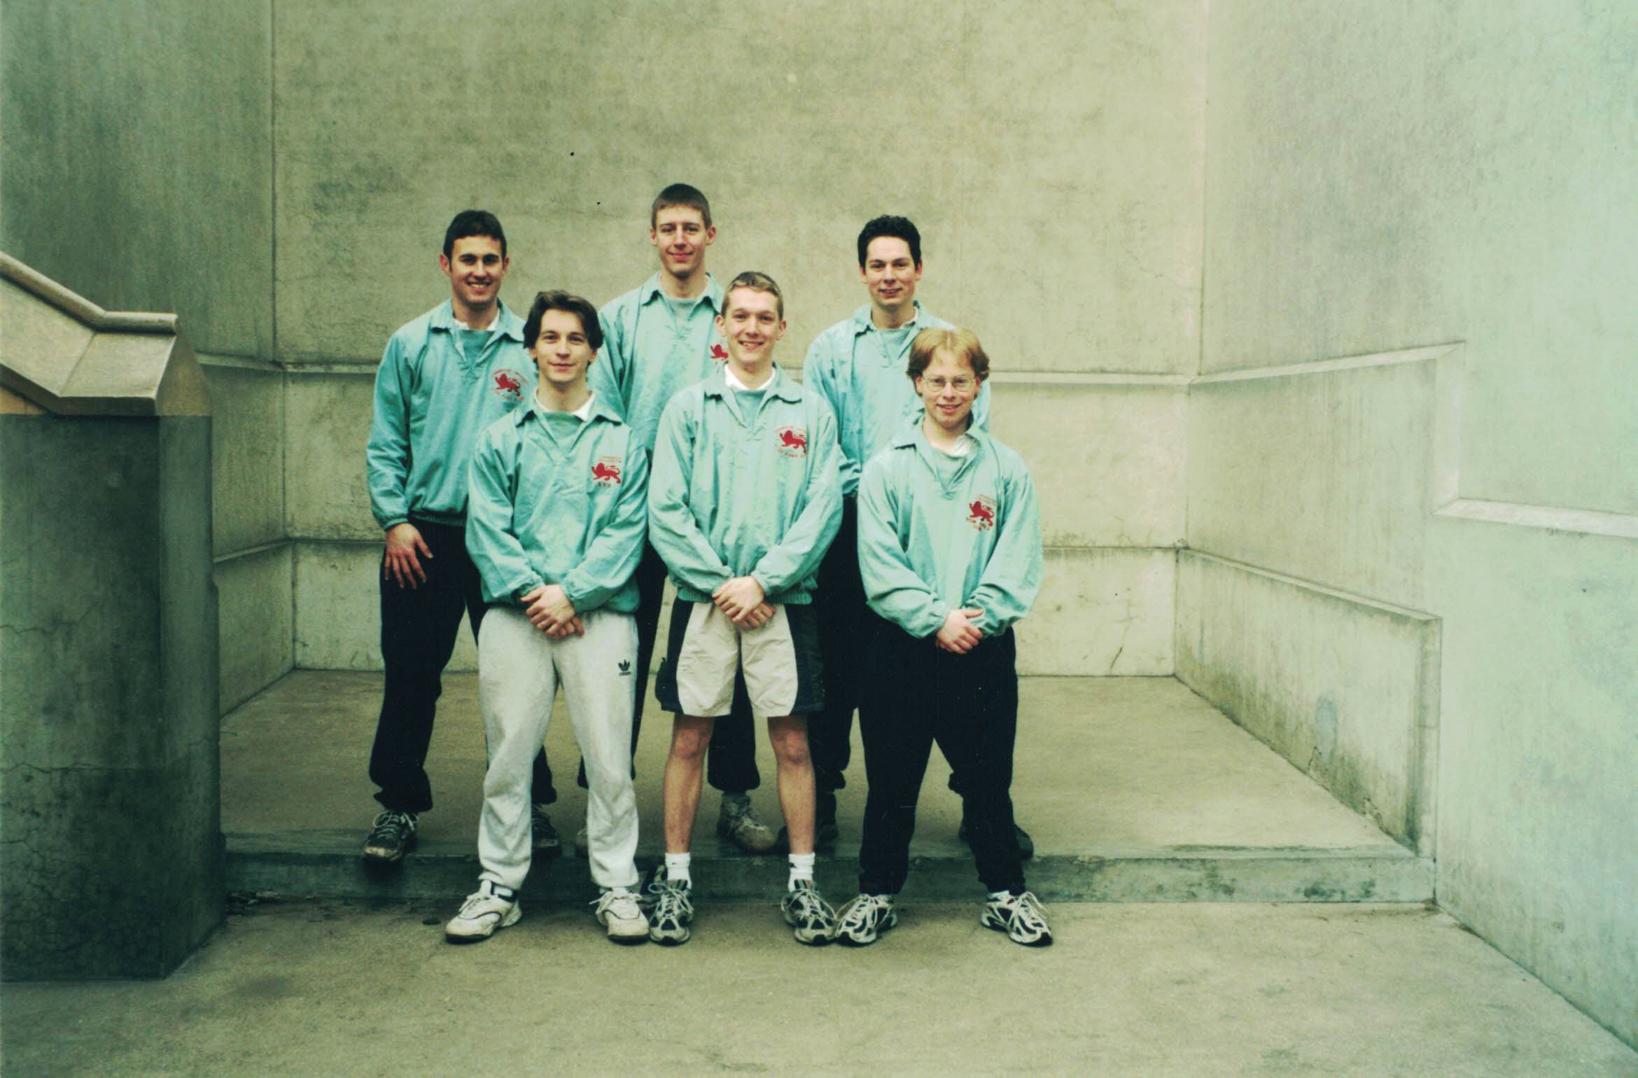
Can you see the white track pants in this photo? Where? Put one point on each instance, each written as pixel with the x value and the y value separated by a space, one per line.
pixel 519 668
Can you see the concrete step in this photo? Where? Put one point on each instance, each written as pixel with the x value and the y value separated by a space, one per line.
pixel 326 864
pixel 1134 789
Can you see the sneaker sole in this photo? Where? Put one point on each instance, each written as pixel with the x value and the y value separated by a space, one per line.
pixel 378 856
pixel 671 940
pixel 628 939
pixel 808 937
pixel 507 921
pixel 991 923
pixel 853 941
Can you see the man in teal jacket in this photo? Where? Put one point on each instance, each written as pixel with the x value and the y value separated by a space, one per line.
pixel 745 497
pixel 443 378
pixel 555 526
pixel 950 556
pixel 661 338
pixel 858 366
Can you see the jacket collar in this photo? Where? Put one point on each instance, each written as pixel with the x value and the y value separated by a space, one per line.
pixel 784 387
pixel 910 434
pixel 651 289
pixel 863 324
pixel 600 409
pixel 506 323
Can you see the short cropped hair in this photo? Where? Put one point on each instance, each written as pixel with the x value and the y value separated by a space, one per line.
pixel 473 223
pixel 756 282
pixel 680 194
pixel 961 343
pixel 562 301
pixel 896 227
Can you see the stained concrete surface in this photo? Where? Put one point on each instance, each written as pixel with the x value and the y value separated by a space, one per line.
pixel 1102 764
pixel 1127 989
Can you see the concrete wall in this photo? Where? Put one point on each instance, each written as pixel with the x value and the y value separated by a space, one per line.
pixel 1381 182
pixel 1054 165
pixel 108 746
pixel 137 161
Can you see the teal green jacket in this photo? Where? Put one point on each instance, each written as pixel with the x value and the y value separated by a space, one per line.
pixel 559 500
pixel 648 355
pixel 932 540
pixel 431 402
pixel 863 381
pixel 739 495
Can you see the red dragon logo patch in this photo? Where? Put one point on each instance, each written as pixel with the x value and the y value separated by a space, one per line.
pixel 793 441
pixel 981 513
pixel 718 352
pixel 509 385
pixel 606 472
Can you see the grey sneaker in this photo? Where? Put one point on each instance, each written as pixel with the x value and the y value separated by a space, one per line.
pixel 1020 917
pixel 391 837
pixel 738 823
pixel 865 918
pixel 673 912
pixel 542 835
pixel 488 908
pixel 808 914
pixel 617 910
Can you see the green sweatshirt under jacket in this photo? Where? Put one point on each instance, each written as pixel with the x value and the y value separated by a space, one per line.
pixel 432 398
pixel 557 499
pixel 738 494
pixel 938 532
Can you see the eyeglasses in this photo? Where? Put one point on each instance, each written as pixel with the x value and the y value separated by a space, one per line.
pixel 939 385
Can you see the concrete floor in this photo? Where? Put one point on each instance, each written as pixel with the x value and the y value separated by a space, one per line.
pixel 1134 989
pixel 1103 766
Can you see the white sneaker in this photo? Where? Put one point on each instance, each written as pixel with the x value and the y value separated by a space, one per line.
pixel 862 921
pixel 617 911
pixel 1020 916
pixel 486 909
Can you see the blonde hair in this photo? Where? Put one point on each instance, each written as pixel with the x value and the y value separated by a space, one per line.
pixel 756 281
pixel 960 343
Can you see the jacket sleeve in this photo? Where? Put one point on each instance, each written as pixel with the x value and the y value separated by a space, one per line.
pixel 607 374
pixel 981 407
pixel 612 557
pixel 387 453
pixel 819 372
pixel 802 548
pixel 672 527
pixel 1012 576
pixel 892 587
pixel 495 550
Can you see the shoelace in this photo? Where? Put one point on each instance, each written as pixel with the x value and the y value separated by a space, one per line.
pixel 867 912
pixel 808 903
pixel 477 898
pixel 1027 908
pixel 608 898
pixel 390 821
pixel 670 902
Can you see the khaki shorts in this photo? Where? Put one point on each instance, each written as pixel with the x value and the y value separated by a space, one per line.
pixel 704 650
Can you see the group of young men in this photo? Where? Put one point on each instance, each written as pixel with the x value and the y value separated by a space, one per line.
pixel 855 540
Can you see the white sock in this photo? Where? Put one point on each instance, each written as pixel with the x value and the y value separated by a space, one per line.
pixel 801 869
pixel 676 868
pixel 997 896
